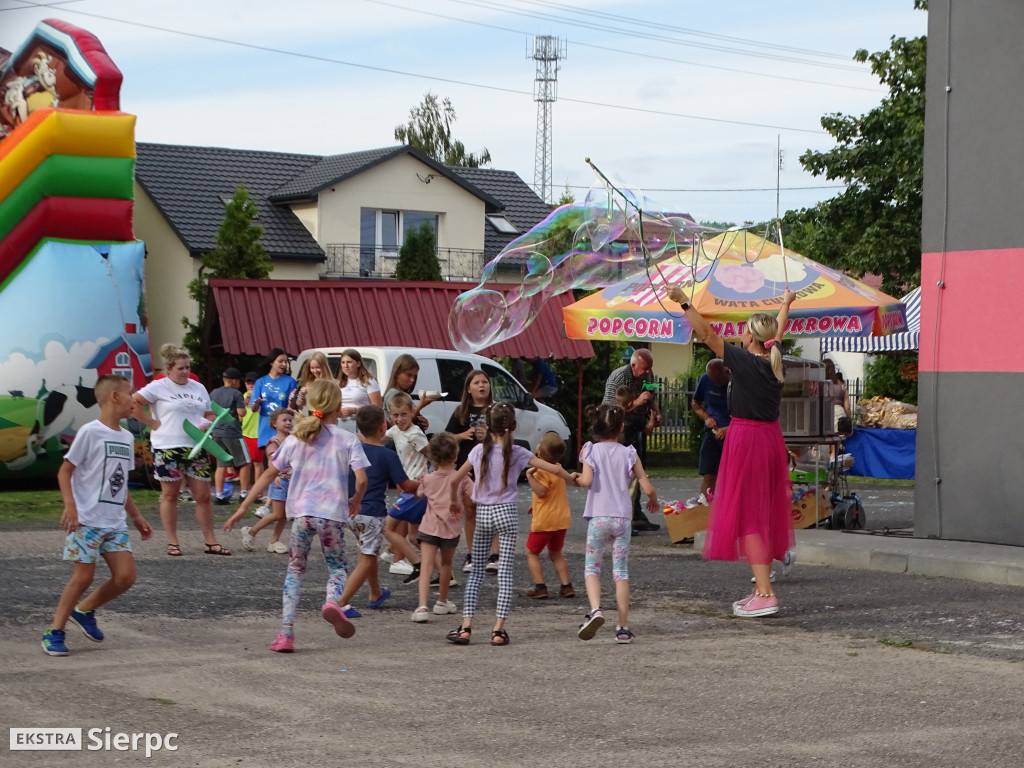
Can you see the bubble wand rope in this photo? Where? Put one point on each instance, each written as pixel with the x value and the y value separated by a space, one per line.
pixel 785 270
pixel 643 244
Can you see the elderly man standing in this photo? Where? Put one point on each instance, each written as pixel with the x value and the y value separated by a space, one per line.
pixel 643 402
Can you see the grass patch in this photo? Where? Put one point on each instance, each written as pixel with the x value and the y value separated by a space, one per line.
pixel 858 480
pixel 670 473
pixel 43 506
pixel 895 642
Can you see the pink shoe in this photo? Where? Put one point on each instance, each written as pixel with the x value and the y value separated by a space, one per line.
pixel 283 643
pixel 742 602
pixel 333 614
pixel 760 605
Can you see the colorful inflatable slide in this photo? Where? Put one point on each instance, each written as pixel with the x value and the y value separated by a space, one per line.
pixel 71 273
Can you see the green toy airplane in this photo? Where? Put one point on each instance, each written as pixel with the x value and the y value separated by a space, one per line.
pixel 204 442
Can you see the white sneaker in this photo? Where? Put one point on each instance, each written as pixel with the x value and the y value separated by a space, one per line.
pixel 386 557
pixel 278 548
pixel 421 614
pixel 262 511
pixel 402 568
pixel 442 609
pixel 468 567
pixel 492 564
pixel 248 540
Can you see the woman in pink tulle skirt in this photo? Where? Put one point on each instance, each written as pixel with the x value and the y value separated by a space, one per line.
pixel 751 516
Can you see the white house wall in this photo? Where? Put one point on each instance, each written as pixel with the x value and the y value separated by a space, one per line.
pixel 168 270
pixel 394 186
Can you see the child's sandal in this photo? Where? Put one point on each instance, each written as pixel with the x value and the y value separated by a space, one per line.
pixel 456 635
pixel 499 637
pixel 174 550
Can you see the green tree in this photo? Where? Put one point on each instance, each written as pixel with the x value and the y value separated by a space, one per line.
pixel 417 258
pixel 566 198
pixel 430 130
pixel 874 225
pixel 238 254
pixel 892 374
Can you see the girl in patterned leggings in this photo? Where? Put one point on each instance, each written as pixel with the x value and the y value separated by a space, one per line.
pixel 608 467
pixel 496 463
pixel 319 455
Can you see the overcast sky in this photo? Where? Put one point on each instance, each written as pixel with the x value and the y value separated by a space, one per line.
pixel 332 76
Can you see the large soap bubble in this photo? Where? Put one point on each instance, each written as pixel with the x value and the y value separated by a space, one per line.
pixel 614 234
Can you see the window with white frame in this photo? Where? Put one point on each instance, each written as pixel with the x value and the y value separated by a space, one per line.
pixel 382 232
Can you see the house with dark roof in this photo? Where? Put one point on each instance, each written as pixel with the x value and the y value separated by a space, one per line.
pixel 324 217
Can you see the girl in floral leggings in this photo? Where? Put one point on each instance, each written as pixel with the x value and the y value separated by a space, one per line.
pixel 608 467
pixel 319 455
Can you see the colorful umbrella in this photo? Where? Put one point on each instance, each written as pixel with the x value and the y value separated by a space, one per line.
pixel 729 278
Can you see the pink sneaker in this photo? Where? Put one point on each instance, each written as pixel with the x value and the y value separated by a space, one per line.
pixel 742 602
pixel 760 605
pixel 333 614
pixel 283 643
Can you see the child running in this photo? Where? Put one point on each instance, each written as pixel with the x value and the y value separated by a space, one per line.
pixel 282 421
pixel 319 454
pixel 404 518
pixel 442 523
pixel 496 463
pixel 607 468
pixel 384 468
pixel 94 485
pixel 551 519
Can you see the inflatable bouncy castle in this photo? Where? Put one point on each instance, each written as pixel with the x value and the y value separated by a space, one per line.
pixel 71 273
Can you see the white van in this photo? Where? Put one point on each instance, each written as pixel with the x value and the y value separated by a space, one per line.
pixel 444 370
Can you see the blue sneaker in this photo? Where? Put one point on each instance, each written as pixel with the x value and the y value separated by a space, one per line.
pixel 86 620
pixel 53 643
pixel 385 593
pixel 351 613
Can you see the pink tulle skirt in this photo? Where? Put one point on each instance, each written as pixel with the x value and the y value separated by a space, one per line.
pixel 752 513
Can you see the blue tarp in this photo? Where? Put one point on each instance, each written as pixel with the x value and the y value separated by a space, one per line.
pixel 887 453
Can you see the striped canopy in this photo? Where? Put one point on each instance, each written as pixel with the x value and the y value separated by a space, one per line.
pixel 895 342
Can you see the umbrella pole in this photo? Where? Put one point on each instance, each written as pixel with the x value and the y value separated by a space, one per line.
pixel 579 407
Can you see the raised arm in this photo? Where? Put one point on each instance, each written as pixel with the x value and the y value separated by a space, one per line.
pixel 788 297
pixel 704 333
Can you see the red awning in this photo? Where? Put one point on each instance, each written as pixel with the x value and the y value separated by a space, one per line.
pixel 252 316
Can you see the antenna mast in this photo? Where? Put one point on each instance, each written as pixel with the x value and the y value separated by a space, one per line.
pixel 547 52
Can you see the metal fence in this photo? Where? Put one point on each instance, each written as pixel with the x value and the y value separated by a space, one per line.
pixel 674 398
pixel 350 260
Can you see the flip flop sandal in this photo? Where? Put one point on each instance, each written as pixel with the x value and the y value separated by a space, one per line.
pixel 456 636
pixel 499 637
pixel 174 550
pixel 215 549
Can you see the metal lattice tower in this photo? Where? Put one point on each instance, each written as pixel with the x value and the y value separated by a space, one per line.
pixel 547 51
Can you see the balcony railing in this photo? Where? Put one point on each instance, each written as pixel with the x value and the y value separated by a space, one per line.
pixel 349 260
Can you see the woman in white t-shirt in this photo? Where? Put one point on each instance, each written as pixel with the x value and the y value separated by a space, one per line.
pixel 171 400
pixel 358 388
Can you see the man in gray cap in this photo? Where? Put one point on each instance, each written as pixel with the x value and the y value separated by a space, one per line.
pixel 228 434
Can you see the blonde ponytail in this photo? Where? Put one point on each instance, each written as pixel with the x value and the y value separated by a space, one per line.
pixel 323 397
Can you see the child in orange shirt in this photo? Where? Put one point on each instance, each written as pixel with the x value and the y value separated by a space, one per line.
pixel 551 519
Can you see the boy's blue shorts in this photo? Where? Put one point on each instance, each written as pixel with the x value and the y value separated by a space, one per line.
pixel 409 508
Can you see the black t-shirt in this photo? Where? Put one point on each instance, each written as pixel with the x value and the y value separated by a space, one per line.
pixel 754 392
pixel 455 426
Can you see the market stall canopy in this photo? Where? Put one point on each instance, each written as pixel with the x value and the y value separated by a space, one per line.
pixel 729 278
pixel 896 342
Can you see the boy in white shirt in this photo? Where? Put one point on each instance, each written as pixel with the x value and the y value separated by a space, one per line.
pixel 404 518
pixel 94 485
